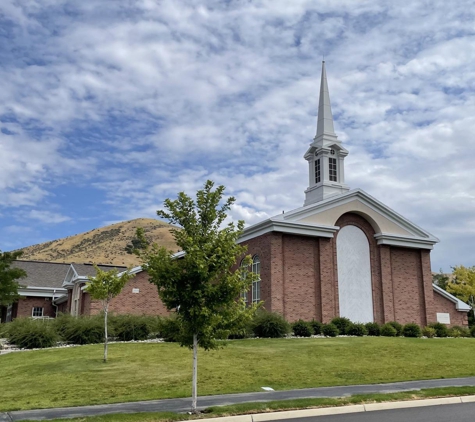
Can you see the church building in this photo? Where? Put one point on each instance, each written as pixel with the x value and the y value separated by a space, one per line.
pixel 344 253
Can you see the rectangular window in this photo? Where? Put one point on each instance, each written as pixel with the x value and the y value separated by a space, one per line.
pixel 317 171
pixel 37 312
pixel 332 169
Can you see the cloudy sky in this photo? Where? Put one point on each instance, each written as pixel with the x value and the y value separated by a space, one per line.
pixel 107 108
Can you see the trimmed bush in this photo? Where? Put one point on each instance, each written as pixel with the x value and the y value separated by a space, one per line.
pixel 373 329
pixel 302 328
pixel 411 330
pixel 131 327
pixel 356 329
pixel 317 327
pixel 85 330
pixel 398 327
pixel 342 324
pixel 330 330
pixel 270 325
pixel 28 333
pixel 388 330
pixel 429 332
pixel 441 330
pixel 472 330
pixel 457 331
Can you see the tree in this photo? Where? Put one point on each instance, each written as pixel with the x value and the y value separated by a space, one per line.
pixel 440 279
pixel 201 285
pixel 9 277
pixel 139 242
pixel 462 285
pixel 104 287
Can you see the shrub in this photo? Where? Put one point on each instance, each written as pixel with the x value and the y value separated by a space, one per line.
pixel 429 332
pixel 472 330
pixel 330 330
pixel 317 327
pixel 302 328
pixel 342 324
pixel 457 331
pixel 170 329
pixel 356 330
pixel 131 327
pixel 270 325
pixel 373 329
pixel 441 330
pixel 85 330
pixel 27 333
pixel 411 330
pixel 388 330
pixel 398 327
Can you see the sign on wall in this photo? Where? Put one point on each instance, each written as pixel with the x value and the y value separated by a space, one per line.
pixel 443 318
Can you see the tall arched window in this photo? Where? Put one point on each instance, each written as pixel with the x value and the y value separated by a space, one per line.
pixel 256 285
pixel 244 269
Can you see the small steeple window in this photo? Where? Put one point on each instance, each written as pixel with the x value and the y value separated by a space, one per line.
pixel 332 169
pixel 317 171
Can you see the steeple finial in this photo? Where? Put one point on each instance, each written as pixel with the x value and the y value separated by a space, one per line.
pixel 325 117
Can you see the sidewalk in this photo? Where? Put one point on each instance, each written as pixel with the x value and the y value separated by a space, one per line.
pixel 184 404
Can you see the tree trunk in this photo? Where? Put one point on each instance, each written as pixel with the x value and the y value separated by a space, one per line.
pixel 194 391
pixel 105 332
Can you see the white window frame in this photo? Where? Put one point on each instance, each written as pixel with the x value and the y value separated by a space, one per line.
pixel 36 308
pixel 256 285
pixel 332 162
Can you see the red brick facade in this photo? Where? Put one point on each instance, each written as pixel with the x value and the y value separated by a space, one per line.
pixel 299 278
pixel 24 307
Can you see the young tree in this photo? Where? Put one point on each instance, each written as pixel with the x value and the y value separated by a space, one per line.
pixel 9 277
pixel 440 279
pixel 104 287
pixel 200 284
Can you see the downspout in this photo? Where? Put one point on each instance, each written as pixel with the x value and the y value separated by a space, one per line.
pixel 56 306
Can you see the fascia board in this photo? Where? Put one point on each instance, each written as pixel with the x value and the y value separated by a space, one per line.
pixel 408 242
pixel 367 200
pixel 41 292
pixel 270 225
pixel 60 299
pixel 134 270
pixel 459 304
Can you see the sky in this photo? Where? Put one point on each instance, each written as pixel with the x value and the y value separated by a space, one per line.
pixel 107 108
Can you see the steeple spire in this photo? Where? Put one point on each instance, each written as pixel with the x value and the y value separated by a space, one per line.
pixel 325 117
pixel 326 155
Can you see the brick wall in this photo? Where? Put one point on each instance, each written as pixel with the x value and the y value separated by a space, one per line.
pixel 145 302
pixel 25 306
pixel 444 305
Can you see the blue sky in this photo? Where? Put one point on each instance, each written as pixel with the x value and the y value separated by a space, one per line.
pixel 107 108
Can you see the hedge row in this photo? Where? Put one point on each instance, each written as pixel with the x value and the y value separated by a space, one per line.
pixel 28 333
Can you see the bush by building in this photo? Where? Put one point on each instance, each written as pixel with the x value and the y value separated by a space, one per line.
pixel 302 328
pixel 388 330
pixel 342 324
pixel 330 330
pixel 270 325
pixel 373 329
pixel 411 330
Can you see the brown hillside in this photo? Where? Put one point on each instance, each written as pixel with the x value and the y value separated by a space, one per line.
pixel 102 246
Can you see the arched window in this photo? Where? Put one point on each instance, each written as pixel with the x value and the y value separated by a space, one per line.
pixel 244 268
pixel 256 285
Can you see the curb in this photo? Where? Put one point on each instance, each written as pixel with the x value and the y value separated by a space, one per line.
pixel 325 411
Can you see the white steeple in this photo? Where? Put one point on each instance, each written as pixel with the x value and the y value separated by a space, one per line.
pixel 326 154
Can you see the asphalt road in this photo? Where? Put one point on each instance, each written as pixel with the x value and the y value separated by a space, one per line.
pixel 184 404
pixel 441 413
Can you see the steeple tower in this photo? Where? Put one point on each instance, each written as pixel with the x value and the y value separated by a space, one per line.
pixel 326 155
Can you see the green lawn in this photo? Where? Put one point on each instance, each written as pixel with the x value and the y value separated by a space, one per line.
pixel 77 376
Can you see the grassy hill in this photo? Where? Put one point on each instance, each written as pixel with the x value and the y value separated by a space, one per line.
pixel 105 245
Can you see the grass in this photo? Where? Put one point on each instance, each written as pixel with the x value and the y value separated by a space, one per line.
pixel 281 405
pixel 77 376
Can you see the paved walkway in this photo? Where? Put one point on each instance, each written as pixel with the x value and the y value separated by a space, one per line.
pixel 183 405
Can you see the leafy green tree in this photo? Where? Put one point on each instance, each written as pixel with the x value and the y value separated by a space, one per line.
pixel 200 284
pixel 440 279
pixel 104 287
pixel 9 277
pixel 462 285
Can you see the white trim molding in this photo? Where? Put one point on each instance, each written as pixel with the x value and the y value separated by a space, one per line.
pixel 459 304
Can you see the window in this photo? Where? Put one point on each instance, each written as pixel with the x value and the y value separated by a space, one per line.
pixel 256 285
pixel 244 292
pixel 332 169
pixel 317 171
pixel 37 312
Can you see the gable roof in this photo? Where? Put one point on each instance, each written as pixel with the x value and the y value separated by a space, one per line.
pixel 82 272
pixel 42 274
pixel 319 220
pixel 459 304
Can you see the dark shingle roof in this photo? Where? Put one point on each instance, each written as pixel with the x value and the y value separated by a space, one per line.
pixel 52 274
pixel 42 274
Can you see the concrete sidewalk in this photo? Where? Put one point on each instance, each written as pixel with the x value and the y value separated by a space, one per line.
pixel 183 405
